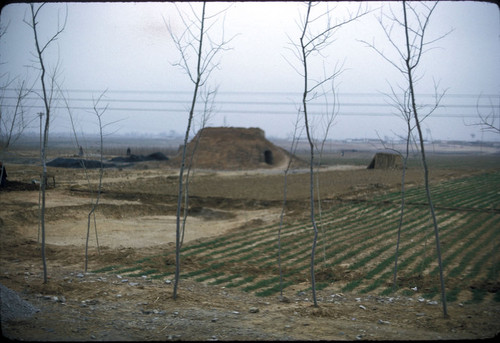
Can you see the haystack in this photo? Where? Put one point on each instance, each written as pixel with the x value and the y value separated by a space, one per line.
pixel 385 160
pixel 232 148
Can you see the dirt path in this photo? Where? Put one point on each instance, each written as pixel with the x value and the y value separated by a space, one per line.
pixel 98 307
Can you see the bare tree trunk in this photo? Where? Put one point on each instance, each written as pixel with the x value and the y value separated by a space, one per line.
pixel 99 187
pixel 433 216
pixel 403 106
pixel 198 75
pixel 208 99
pixel 186 137
pixel 181 177
pixel 314 43
pixel 46 98
pixel 328 125
pixel 402 207
pixel 93 205
pixel 311 154
pixel 311 188
pixel 424 161
pixel 40 185
pixel 411 54
pixel 43 182
pixel 293 148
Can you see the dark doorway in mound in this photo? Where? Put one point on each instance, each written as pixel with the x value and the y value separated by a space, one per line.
pixel 268 157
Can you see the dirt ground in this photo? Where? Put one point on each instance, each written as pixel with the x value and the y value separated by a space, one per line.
pixel 136 219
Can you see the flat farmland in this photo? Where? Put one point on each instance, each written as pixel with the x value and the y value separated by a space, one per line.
pixel 230 281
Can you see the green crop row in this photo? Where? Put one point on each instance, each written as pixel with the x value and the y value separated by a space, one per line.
pixel 361 235
pixel 478 191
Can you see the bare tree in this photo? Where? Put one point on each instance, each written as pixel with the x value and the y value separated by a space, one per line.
pixel 295 140
pixel 207 97
pixel 194 39
pixel 327 121
pixel 94 202
pixel 312 42
pixel 98 112
pixel 13 123
pixel 85 170
pixel 414 27
pixel 402 105
pixel 47 83
pixel 13 117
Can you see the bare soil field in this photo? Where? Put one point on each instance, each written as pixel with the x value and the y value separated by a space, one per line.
pixel 136 220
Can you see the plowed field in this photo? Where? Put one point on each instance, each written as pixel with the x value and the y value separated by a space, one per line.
pixel 230 280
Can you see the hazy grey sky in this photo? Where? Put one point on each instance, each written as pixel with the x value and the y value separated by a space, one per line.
pixel 126 49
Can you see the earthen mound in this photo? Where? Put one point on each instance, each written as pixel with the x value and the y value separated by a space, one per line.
pixel 231 148
pixel 386 160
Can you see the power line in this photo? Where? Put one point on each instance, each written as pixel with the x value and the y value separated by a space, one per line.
pixel 170 110
pixel 378 94
pixel 248 104
pixel 256 103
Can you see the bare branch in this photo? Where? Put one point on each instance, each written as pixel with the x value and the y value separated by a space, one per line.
pixel 15 122
pixel 487 121
pixel 189 42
